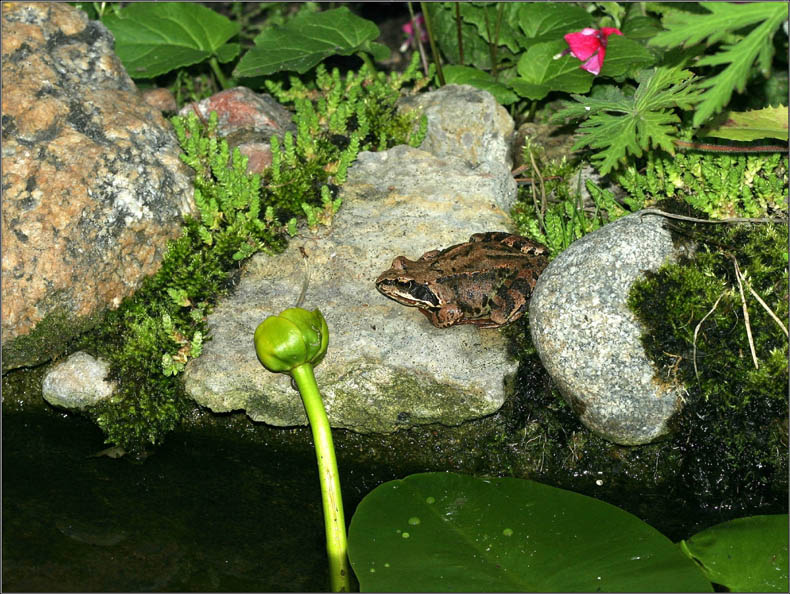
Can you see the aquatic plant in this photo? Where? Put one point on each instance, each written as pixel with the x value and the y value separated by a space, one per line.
pixel 293 342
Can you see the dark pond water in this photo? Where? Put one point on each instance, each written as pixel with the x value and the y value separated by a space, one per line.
pixel 200 514
pixel 235 506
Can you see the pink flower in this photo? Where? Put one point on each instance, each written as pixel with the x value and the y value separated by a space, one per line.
pixel 589 46
pixel 408 29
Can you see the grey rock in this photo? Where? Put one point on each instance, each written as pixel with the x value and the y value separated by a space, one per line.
pixel 589 340
pixel 466 123
pixel 77 382
pixel 387 367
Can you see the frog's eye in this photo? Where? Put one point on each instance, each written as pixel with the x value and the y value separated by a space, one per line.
pixel 422 293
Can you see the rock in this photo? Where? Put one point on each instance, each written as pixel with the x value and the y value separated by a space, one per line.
pixel 589 340
pixel 78 382
pixel 160 98
pixel 243 110
pixel 387 367
pixel 92 183
pixel 247 120
pixel 464 123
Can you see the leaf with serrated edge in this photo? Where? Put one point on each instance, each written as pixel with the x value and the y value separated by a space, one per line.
pixel 305 40
pixel 153 38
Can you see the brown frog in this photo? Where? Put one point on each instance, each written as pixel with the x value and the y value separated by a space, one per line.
pixel 486 281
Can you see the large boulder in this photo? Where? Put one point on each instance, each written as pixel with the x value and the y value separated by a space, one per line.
pixel 387 367
pixel 590 341
pixel 92 183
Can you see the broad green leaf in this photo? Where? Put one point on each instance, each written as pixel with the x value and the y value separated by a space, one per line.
pixel 542 71
pixel 550 21
pixel 744 555
pixel 153 38
pixel 509 34
pixel 641 27
pixel 624 56
pixel 445 32
pixel 770 122
pixel 446 532
pixel 722 19
pixel 465 75
pixel 305 40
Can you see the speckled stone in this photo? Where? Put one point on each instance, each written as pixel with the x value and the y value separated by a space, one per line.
pixel 77 382
pixel 243 110
pixel 92 183
pixel 387 367
pixel 464 123
pixel 589 340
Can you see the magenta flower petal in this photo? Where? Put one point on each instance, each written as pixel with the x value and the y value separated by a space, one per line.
pixel 589 46
pixel 584 44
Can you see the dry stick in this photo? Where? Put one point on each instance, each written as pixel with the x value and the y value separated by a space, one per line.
pixel 696 330
pixel 418 39
pixel 542 187
pixel 768 309
pixel 745 314
pixel 693 220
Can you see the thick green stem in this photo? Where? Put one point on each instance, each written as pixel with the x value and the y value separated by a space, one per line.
pixel 218 72
pixel 334 521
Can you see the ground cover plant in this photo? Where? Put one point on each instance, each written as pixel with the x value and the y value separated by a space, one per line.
pixel 646 87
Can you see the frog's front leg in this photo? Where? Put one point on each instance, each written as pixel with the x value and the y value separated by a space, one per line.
pixel 509 303
pixel 445 316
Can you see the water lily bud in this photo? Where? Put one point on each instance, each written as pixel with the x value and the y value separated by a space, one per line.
pixel 293 338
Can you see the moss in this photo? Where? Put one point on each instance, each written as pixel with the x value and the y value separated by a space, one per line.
pixel 731 430
pixel 50 338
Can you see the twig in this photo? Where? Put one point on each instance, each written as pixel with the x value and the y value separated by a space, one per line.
pixel 696 330
pixel 693 220
pixel 765 306
pixel 745 314
pixel 540 181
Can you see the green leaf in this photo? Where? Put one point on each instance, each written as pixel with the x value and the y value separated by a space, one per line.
pixel 153 38
pixel 624 56
pixel 305 40
pixel 465 75
pixel 446 532
pixel 621 125
pixel 770 122
pixel 723 19
pixel 550 21
pixel 744 555
pixel 541 71
pixel 475 14
pixel 476 50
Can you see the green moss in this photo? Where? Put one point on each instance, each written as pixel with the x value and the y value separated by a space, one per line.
pixel 50 337
pixel 731 430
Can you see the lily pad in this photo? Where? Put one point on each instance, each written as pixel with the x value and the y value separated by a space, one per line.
pixel 443 532
pixel 744 555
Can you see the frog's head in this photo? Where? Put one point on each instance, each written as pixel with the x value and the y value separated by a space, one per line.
pixel 401 284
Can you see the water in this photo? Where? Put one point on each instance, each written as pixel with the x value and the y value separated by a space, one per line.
pixel 200 514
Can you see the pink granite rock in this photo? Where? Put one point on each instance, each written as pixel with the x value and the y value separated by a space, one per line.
pixel 247 120
pixel 92 183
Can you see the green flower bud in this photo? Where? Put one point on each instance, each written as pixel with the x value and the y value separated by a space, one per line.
pixel 293 338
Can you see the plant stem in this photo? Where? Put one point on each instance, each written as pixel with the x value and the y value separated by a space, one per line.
pixel 334 521
pixel 429 29
pixel 218 72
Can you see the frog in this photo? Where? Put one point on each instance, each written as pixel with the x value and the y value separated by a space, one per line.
pixel 486 281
